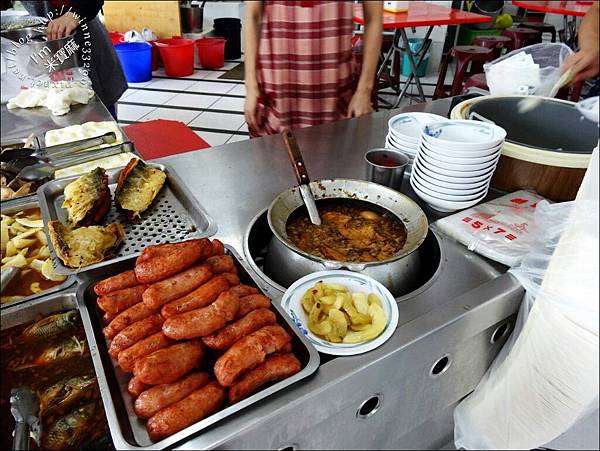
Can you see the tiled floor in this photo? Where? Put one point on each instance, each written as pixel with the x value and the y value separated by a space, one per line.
pixel 211 106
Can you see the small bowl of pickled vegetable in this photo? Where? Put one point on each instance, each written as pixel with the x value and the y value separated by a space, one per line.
pixel 342 312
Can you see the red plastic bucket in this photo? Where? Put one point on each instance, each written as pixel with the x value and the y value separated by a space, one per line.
pixel 116 37
pixel 155 55
pixel 211 52
pixel 177 56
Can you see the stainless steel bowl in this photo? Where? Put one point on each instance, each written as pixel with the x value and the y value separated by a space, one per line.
pixel 286 263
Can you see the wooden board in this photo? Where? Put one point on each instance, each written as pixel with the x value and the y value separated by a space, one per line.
pixel 161 16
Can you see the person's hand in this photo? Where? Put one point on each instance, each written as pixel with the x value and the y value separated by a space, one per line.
pixel 62 26
pixel 360 104
pixel 252 108
pixel 584 64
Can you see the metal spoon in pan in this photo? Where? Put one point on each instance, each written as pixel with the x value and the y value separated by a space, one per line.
pixel 301 175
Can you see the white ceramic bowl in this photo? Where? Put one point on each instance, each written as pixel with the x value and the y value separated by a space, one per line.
pixel 401 142
pixel 452 176
pixel 440 155
pixel 445 206
pixel 462 153
pixel 291 303
pixel 455 183
pixel 464 134
pixel 448 196
pixel 411 153
pixel 471 168
pixel 409 125
pixel 444 191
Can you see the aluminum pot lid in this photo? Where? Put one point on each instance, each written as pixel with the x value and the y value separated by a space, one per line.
pixel 402 206
pixel 555 125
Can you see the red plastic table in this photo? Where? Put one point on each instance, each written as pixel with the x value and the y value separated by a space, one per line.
pixel 568 8
pixel 419 14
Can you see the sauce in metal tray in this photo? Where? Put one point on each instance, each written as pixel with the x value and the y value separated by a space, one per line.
pixel 51 356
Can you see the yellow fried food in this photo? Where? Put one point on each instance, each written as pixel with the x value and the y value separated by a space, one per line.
pixel 339 316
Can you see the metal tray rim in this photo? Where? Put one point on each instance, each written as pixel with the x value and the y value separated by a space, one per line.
pixel 119 440
pixel 171 174
pixel 23 203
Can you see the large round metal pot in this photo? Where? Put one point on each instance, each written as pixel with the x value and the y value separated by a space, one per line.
pixel 547 149
pixel 286 263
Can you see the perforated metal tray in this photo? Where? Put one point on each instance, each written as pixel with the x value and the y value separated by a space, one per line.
pixel 127 430
pixel 17 205
pixel 175 215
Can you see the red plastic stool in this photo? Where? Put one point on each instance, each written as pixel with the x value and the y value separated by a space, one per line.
pixel 476 81
pixel 522 36
pixel 541 27
pixel 498 43
pixel 474 55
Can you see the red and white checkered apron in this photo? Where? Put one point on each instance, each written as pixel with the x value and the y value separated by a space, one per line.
pixel 305 65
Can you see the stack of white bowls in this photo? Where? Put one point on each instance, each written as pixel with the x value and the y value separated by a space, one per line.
pixel 455 163
pixel 404 131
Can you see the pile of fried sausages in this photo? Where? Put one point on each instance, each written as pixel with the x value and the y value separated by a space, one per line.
pixel 180 299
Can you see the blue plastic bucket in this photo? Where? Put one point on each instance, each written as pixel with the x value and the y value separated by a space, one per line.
pixel 415 45
pixel 136 59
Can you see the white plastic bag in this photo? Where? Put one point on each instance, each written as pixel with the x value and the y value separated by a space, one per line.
pixel 545 380
pixel 502 229
pixel 531 70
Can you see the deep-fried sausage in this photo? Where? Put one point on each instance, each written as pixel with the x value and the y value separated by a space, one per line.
pixel 204 321
pixel 228 335
pixel 122 320
pixel 218 248
pixel 243 290
pixel 160 396
pixel 124 280
pixel 189 410
pixel 108 317
pixel 136 387
pixel 142 348
pixel 169 364
pixel 159 293
pixel 120 300
pixel 221 263
pixel 232 278
pixel 200 297
pixel 249 352
pixel 252 302
pixel 274 368
pixel 134 333
pixel 162 250
pixel 180 258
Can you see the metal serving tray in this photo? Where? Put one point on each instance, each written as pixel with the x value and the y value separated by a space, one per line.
pixel 16 206
pixel 17 314
pixel 175 215
pixel 127 430
pixel 35 145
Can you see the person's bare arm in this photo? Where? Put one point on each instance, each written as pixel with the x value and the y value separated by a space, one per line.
pixel 361 100
pixel 252 26
pixel 585 63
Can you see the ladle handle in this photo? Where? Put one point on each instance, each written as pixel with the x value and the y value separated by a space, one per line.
pixel 295 157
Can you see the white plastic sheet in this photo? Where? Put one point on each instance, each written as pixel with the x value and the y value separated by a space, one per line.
pixel 545 380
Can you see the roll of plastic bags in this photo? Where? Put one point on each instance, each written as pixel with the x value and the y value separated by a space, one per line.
pixel 531 70
pixel 545 380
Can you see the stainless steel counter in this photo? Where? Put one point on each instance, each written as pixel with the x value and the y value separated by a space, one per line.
pixel 19 123
pixel 453 316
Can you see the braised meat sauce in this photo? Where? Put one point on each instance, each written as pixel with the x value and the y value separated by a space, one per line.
pixel 350 231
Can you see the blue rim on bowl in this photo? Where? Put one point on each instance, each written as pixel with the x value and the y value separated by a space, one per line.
pixel 355 282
